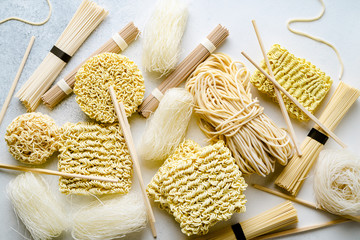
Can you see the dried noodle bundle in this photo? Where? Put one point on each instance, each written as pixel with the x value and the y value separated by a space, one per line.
pixel 87 17
pixel 227 111
pixel 36 206
pixel 167 126
pixel 32 138
pixel 111 218
pixel 337 182
pixel 162 36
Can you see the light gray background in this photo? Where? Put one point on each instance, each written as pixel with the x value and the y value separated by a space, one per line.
pixel 340 25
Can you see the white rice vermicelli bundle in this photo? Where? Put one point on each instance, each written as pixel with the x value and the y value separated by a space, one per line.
pixel 162 36
pixel 337 182
pixel 36 206
pixel 167 126
pixel 111 218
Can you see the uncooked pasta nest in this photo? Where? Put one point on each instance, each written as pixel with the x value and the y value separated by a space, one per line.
pixel 97 150
pixel 303 80
pixel 199 186
pixel 94 78
pixel 32 138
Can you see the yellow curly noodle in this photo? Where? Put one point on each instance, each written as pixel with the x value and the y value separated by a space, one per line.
pixel 92 82
pixel 227 111
pixel 32 138
pixel 94 149
pixel 304 81
pixel 199 186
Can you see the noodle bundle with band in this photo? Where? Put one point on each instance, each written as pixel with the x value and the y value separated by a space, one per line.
pixel 295 173
pixel 275 218
pixel 87 17
pixel 119 42
pixel 337 182
pixel 162 36
pixel 167 126
pixel 304 81
pixel 184 69
pixel 227 112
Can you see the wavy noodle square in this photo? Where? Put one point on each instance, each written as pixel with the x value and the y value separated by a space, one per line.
pixel 303 80
pixel 94 149
pixel 199 186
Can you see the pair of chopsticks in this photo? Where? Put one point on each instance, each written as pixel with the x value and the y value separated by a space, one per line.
pixel 344 218
pixel 280 100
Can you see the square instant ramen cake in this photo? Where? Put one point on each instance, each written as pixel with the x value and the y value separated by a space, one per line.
pixel 303 80
pixel 199 186
pixel 94 149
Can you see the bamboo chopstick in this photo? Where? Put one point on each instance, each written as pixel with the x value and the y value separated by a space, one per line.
pixel 302 202
pixel 328 131
pixel 121 115
pixel 57 173
pixel 300 230
pixel 277 92
pixel 16 79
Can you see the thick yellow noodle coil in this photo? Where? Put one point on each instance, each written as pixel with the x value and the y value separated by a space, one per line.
pixel 304 81
pixel 98 150
pixel 94 78
pixel 32 138
pixel 199 186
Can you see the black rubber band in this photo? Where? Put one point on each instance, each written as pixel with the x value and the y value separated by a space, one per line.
pixel 238 231
pixel 318 136
pixel 60 54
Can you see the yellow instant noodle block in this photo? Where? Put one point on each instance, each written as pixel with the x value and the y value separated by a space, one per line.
pixel 98 150
pixel 303 80
pixel 199 186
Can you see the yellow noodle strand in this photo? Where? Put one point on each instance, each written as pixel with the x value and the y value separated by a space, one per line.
pixel 30 22
pixel 316 38
pixel 227 112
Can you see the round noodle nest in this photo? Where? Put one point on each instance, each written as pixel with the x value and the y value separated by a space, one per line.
pixel 32 138
pixel 94 78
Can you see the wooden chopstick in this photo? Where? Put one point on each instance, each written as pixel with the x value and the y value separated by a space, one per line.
pixel 57 173
pixel 276 84
pixel 120 112
pixel 300 230
pixel 16 79
pixel 277 92
pixel 302 202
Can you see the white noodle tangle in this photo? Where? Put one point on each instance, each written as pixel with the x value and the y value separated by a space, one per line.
pixel 337 182
pixel 227 112
pixel 162 36
pixel 111 218
pixel 167 126
pixel 36 206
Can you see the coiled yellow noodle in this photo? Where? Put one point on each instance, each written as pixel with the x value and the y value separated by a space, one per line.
pixel 227 111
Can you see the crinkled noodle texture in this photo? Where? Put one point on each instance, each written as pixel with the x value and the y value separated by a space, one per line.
pixel 227 112
pixel 94 78
pixel 32 138
pixel 337 182
pixel 97 150
pixel 303 80
pixel 36 206
pixel 199 186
